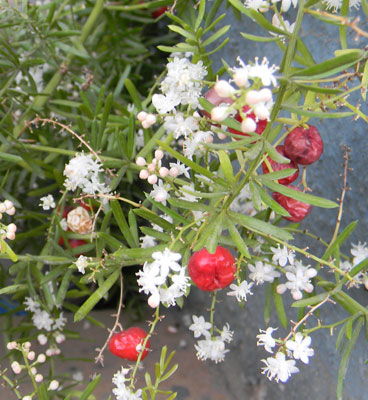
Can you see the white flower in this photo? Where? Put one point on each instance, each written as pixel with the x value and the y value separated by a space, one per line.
pixel 167 260
pixel 285 4
pixel 150 277
pixel 194 143
pixel 261 273
pixel 282 24
pixel 47 202
pixel 121 391
pixel 83 172
pixel 179 125
pixel 182 169
pixel 282 255
pixel 187 196
pixel 265 339
pixel 279 368
pixel 335 4
pixel 300 347
pixel 81 264
pixel 32 305
pixel 298 280
pixel 264 72
pixel 160 192
pixel 360 253
pixel 200 327
pixel 227 334
pixel 241 291
pixel 147 241
pixel 42 320
pixel 60 322
pixel 213 349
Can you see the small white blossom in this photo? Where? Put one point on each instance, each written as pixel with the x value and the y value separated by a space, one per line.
pixel 147 241
pixel 282 255
pixel 32 305
pixel 167 260
pixel 360 253
pixel 160 192
pixel 60 322
pixel 265 339
pixel 227 334
pixel 285 4
pixel 264 72
pixel 200 327
pixel 81 264
pixel 279 368
pixel 300 347
pixel 122 392
pixel 180 125
pixel 42 320
pixel 241 291
pixel 182 169
pixel 47 202
pixel 213 349
pixel 261 272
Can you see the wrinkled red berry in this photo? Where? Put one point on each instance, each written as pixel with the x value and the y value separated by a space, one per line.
pixel 261 124
pixel 216 100
pixel 127 344
pixel 212 271
pixel 279 167
pixel 297 209
pixel 304 146
pixel 157 13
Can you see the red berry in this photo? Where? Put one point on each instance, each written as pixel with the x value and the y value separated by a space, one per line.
pixel 304 146
pixel 216 100
pixel 297 209
pixel 261 124
pixel 157 13
pixel 126 344
pixel 279 167
pixel 212 271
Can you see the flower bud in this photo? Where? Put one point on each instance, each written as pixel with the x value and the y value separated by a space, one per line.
pixel 241 78
pixel 265 95
pixel 252 97
pixel 2 208
pixel 152 179
pixel 224 89
pixel 145 124
pixel 53 385
pixel 27 345
pixel 142 116
pixel 151 119
pixel 60 338
pixel 31 355
pixel 163 172
pixel 41 358
pixel 174 172
pixel 159 154
pixel 11 345
pixel 16 367
pixel 8 204
pixel 11 211
pixel 154 300
pixel 12 228
pixel 248 125
pixel 261 111
pixel 221 135
pixel 42 339
pixel 143 174
pixel 27 398
pixel 39 378
pixel 151 167
pixel 34 370
pixel 10 235
pixel 140 161
pixel 218 114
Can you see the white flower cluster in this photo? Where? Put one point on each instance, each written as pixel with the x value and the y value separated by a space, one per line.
pixel 83 172
pixel 122 392
pixel 240 291
pixel 7 231
pixel 360 253
pixel 211 347
pixel 297 274
pixel 182 85
pixel 41 318
pixel 164 279
pixel 81 264
pixel 278 367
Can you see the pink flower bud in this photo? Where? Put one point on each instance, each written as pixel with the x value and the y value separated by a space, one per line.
pixel 27 345
pixel 11 345
pixel 223 89
pixel 41 358
pixel 150 119
pixel 248 125
pixel 159 154
pixel 60 338
pixel 152 179
pixel 31 355
pixel 265 94
pixel 34 370
pixel 12 227
pixel 221 135
pixel 2 208
pixel 11 211
pixel 10 235
pixel 154 300
pixel 142 116
pixel 15 366
pixel 163 171
pixel 140 161
pixel 53 385
pixel 252 97
pixel 281 289
pixel 143 174
pixel 241 78
pixel 261 111
pixel 218 114
pixel 174 172
pixel 151 167
pixel 42 339
pixel 8 204
pixel 145 124
pixel 38 378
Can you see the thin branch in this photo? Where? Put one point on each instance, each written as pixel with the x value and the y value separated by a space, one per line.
pixel 99 357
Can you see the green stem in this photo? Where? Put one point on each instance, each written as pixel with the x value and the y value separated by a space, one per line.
pixel 10 383
pixel 212 311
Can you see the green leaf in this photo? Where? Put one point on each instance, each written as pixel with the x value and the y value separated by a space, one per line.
pixel 226 166
pixel 64 286
pixel 270 202
pixel 365 81
pixel 90 388
pixel 216 35
pixel 183 32
pixel 133 93
pixel 5 248
pixel 122 223
pixel 259 38
pixel 201 13
pixel 294 194
pixel 279 305
pixel 310 301
pixel 210 236
pixel 317 114
pixel 237 239
pixel 96 296
pixel 190 205
pixel 256 225
pixel 13 289
pixel 319 89
pixel 268 305
pixel 275 155
pixel 194 166
pixel 346 357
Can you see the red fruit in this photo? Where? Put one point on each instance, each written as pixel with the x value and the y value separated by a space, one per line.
pixel 212 271
pixel 157 13
pixel 216 100
pixel 279 167
pixel 126 344
pixel 297 209
pixel 261 124
pixel 304 146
